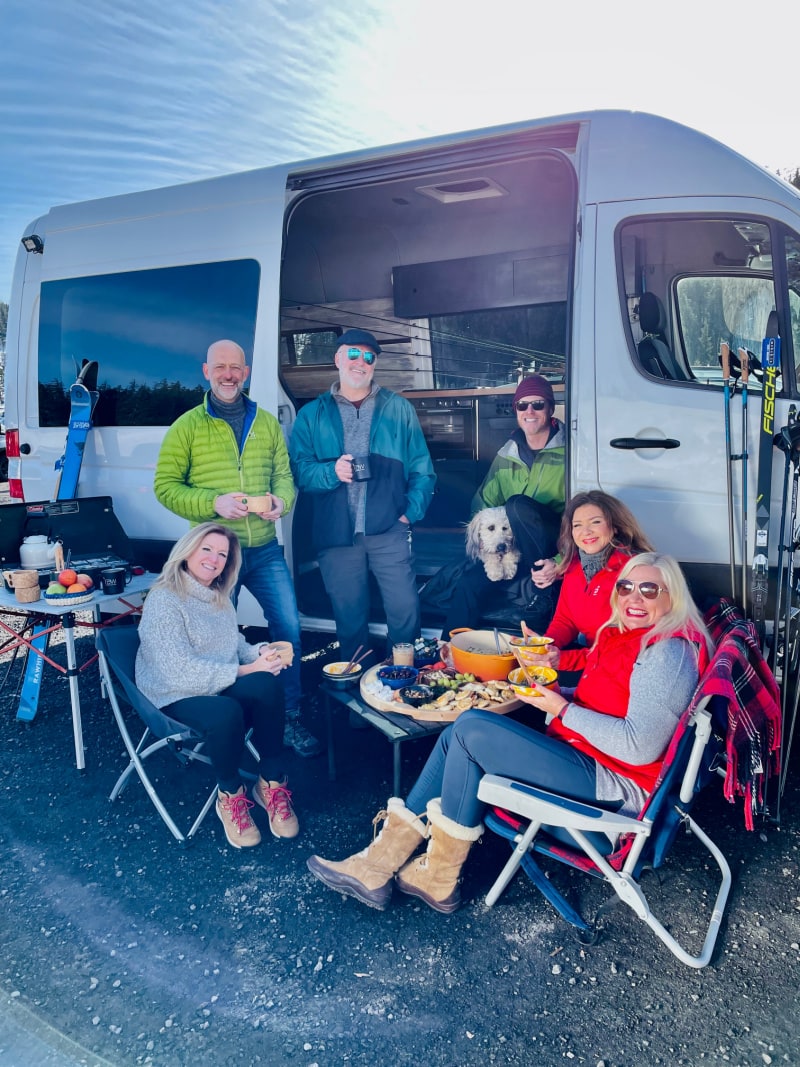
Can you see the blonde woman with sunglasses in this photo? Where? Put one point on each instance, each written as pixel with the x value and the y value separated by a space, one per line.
pixel 605 742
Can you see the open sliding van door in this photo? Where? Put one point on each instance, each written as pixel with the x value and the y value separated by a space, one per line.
pixel 669 288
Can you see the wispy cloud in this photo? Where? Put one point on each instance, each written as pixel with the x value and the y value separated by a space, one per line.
pixel 99 98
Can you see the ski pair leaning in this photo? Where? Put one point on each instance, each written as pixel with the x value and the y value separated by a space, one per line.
pixel 83 396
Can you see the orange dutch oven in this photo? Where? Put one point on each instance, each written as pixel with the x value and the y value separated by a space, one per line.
pixel 475 652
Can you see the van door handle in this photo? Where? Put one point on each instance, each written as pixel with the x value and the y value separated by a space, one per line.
pixel 630 444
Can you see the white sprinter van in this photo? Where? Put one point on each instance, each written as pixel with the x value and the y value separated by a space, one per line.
pixel 610 251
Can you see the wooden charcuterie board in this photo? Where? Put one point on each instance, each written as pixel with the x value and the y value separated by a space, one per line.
pixel 445 714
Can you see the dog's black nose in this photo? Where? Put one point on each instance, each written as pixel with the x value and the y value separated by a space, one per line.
pixel 502 548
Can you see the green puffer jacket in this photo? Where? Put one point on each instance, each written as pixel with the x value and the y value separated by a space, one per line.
pixel 508 476
pixel 199 461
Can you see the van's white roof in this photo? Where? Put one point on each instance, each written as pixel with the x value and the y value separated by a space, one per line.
pixel 634 155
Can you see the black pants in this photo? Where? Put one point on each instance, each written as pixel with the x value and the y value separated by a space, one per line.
pixel 535 529
pixel 253 701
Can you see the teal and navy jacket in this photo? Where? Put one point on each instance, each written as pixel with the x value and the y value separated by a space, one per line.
pixel 402 477
pixel 509 476
pixel 200 460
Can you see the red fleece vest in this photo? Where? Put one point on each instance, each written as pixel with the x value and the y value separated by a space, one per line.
pixel 605 687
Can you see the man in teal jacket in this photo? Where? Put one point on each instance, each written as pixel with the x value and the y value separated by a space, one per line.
pixel 360 451
pixel 215 458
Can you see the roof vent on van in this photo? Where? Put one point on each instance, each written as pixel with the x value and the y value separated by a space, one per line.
pixel 469 189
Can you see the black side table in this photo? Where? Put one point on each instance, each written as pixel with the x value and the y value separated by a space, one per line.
pixel 395 728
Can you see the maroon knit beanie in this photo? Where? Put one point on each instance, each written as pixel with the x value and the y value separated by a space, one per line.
pixel 536 385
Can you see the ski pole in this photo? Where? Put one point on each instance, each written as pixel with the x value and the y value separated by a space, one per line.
pixel 744 367
pixel 725 360
pixel 790 623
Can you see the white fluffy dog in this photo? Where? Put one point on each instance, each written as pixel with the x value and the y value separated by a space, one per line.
pixel 490 539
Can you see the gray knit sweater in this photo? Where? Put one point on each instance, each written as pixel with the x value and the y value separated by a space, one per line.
pixel 188 647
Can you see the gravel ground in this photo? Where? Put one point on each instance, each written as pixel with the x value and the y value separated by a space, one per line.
pixel 121 948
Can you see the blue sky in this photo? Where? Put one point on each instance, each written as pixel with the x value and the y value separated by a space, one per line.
pixel 99 98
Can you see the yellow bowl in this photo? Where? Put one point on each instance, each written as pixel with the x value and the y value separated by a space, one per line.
pixel 535 644
pixel 333 673
pixel 544 676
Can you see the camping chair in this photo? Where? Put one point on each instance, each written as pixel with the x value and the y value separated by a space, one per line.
pixel 117 647
pixel 706 742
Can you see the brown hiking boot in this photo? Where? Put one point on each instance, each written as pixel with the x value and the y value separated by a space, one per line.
pixel 367 875
pixel 276 800
pixel 435 876
pixel 234 814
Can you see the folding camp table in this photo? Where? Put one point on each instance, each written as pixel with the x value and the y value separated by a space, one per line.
pixel 63 619
pixel 92 538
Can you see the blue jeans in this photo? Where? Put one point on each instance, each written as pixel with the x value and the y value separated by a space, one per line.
pixel 265 574
pixel 345 572
pixel 480 742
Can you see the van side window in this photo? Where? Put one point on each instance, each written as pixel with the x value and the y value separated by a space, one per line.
pixel 692 282
pixel 148 330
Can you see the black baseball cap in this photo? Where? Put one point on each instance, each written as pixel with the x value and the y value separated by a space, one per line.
pixel 359 337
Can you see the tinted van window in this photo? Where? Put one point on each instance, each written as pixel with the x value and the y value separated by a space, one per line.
pixel 149 332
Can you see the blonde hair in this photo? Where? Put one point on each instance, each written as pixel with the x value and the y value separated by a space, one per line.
pixel 683 615
pixel 174 575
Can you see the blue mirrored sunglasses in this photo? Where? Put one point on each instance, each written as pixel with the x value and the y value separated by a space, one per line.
pixel 356 353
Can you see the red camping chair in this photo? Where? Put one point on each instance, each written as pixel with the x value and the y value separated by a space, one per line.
pixel 731 728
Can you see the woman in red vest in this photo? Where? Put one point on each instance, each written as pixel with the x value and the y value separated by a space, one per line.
pixel 605 741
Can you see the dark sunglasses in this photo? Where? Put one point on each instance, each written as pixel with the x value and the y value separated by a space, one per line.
pixel 537 405
pixel 356 353
pixel 649 590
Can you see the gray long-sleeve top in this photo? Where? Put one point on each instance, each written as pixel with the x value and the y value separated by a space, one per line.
pixel 188 647
pixel 663 679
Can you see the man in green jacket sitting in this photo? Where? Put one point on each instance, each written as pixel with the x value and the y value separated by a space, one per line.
pixel 527 478
pixel 213 460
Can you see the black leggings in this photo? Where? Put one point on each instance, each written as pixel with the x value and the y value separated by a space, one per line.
pixel 254 700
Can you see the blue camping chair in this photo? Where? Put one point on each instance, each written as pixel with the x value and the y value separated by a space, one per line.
pixel 538 822
pixel 117 647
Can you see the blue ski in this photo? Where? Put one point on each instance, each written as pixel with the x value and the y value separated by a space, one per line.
pixel 82 399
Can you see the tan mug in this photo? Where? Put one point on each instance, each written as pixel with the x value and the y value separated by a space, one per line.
pixel 25 585
pixel 257 504
pixel 284 650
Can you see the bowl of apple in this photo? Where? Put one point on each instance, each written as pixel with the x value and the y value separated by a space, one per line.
pixel 69 588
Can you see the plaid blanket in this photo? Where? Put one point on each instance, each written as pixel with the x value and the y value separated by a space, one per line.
pixel 741 676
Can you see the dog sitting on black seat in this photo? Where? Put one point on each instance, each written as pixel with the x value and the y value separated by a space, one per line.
pixel 490 539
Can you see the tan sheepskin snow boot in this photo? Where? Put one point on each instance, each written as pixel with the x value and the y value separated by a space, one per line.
pixel 435 876
pixel 368 874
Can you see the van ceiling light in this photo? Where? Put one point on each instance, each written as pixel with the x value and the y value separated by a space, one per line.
pixel 469 189
pixel 33 243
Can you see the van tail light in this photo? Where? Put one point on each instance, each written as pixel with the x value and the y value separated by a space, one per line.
pixel 14 465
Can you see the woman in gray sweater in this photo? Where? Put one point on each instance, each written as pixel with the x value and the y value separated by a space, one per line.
pixel 194 664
